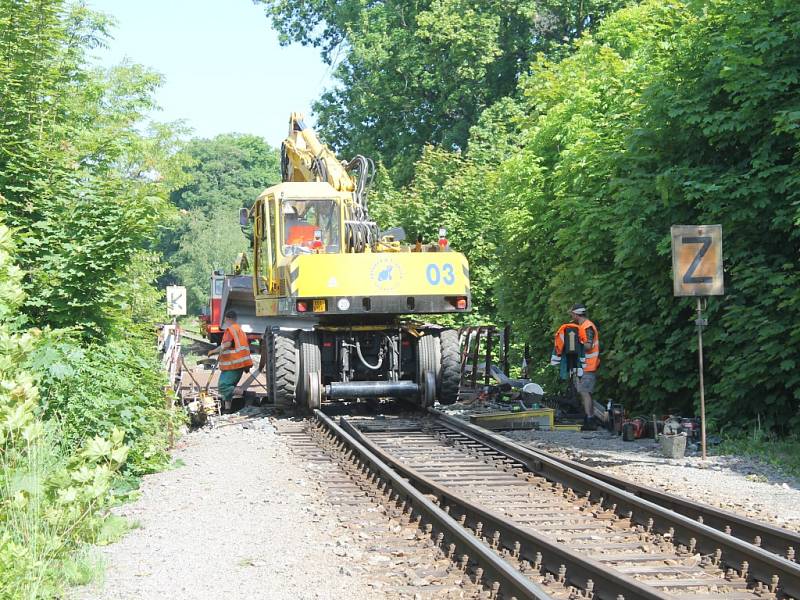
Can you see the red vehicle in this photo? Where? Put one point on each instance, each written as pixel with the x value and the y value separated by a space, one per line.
pixel 211 318
pixel 231 292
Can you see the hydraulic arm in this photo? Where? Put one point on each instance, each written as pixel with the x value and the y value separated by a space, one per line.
pixel 305 159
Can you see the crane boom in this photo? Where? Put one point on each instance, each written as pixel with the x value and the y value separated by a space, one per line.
pixel 305 158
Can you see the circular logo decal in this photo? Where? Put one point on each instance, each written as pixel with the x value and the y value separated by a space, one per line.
pixel 386 274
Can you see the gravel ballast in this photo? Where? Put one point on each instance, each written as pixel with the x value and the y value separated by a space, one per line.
pixel 239 519
pixel 737 484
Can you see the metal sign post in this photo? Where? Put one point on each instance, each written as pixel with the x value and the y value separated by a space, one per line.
pixel 697 271
pixel 701 322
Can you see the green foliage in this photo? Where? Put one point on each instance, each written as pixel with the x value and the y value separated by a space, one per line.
pixel 229 169
pixel 92 390
pixel 410 73
pixel 782 453
pixel 658 121
pixel 220 176
pixel 82 185
pixel 671 112
pixel 51 500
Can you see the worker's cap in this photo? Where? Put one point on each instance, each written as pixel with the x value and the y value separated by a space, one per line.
pixel 231 314
pixel 578 309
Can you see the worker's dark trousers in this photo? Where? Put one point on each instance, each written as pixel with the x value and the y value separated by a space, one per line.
pixel 228 381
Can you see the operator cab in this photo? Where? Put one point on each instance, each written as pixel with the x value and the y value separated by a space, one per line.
pixel 310 226
pixel 211 319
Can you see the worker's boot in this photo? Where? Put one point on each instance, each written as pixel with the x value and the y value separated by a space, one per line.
pixel 589 424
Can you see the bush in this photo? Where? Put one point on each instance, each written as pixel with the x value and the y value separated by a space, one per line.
pixel 92 390
pixel 670 113
pixel 52 499
pixel 678 112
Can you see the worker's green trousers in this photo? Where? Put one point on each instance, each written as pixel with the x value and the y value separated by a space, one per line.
pixel 228 381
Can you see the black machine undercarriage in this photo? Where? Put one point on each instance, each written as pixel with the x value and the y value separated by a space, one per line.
pixel 307 367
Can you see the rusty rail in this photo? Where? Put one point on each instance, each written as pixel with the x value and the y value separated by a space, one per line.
pixel 762 565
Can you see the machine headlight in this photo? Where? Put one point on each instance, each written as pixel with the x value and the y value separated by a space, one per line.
pixel 343 304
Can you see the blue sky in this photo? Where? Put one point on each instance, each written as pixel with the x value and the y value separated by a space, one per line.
pixel 225 71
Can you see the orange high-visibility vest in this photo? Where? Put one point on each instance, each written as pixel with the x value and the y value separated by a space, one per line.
pixel 593 353
pixel 558 343
pixel 238 355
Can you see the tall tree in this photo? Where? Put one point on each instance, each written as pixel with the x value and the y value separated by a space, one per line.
pixel 408 73
pixel 222 174
pixel 82 186
pixel 672 112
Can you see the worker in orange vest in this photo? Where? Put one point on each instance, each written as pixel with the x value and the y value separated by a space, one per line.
pixel 590 338
pixel 234 357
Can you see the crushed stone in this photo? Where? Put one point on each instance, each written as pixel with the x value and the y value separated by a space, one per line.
pixel 738 484
pixel 237 520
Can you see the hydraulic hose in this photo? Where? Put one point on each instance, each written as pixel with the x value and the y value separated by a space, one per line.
pixel 364 361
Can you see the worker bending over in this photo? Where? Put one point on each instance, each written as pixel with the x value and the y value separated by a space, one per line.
pixel 591 346
pixel 234 357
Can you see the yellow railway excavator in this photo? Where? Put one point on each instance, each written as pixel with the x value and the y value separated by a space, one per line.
pixel 338 296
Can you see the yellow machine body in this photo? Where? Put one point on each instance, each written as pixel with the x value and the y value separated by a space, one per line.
pixel 392 279
pixel 331 292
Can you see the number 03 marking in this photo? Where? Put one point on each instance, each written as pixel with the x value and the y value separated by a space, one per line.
pixel 435 275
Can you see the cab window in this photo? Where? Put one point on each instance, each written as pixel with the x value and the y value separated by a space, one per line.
pixel 309 225
pixel 216 290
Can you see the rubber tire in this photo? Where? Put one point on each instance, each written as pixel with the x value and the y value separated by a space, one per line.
pixel 426 361
pixel 449 379
pixel 283 367
pixel 310 362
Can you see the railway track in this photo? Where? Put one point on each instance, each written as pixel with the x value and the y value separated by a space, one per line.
pixel 527 526
pixel 773 539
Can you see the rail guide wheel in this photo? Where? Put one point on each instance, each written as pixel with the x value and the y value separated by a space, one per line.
pixel 428 389
pixel 313 391
pixel 427 368
pixel 309 392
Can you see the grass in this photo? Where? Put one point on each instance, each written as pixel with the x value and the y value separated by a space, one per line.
pixel 38 553
pixel 781 453
pixel 52 508
pixel 84 567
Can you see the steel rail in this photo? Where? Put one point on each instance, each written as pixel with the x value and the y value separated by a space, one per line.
pixel 763 565
pixel 771 538
pixel 533 547
pixel 513 584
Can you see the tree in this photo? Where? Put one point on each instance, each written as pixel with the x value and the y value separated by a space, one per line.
pixel 678 112
pixel 222 174
pixel 414 73
pixel 84 191
pixel 229 169
pixel 82 186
